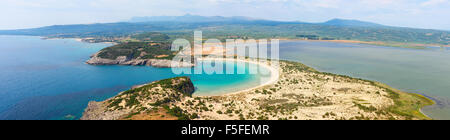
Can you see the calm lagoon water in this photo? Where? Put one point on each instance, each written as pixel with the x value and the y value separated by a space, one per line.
pixel 423 71
pixel 47 79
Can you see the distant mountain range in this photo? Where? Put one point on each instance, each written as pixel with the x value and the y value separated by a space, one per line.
pixel 220 27
pixel 189 18
pixel 196 19
pixel 344 22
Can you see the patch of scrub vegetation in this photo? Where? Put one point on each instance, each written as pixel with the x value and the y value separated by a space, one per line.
pixel 135 50
pixel 171 88
pixel 151 45
pixel 295 66
pixel 151 36
pixel 160 94
pixel 365 108
pixel 406 104
pixel 179 113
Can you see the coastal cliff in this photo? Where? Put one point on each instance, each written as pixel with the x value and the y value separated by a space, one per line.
pixel 143 102
pixel 123 60
pixel 140 53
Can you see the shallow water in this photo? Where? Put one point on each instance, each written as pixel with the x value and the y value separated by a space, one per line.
pixel 47 79
pixel 424 71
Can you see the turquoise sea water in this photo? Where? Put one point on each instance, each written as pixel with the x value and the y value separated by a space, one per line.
pixel 423 71
pixel 47 79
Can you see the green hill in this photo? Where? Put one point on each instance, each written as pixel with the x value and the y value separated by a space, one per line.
pixel 240 27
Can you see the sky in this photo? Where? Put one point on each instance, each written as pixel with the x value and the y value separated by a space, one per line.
pixel 430 14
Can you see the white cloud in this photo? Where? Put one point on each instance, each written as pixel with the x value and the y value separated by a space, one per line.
pixel 434 2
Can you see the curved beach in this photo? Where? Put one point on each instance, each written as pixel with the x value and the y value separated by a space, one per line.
pixel 274 73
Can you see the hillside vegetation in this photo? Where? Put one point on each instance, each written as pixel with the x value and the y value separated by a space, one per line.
pixel 146 46
pixel 239 27
pixel 151 101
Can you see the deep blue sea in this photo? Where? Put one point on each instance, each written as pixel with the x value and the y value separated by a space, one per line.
pixel 48 79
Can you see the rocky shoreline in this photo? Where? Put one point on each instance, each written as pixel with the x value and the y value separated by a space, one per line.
pixel 126 103
pixel 123 60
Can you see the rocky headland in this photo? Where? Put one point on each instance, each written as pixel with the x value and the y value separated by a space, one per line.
pixel 142 101
pixel 124 60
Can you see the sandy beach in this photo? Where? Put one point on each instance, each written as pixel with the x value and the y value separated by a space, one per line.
pixel 274 72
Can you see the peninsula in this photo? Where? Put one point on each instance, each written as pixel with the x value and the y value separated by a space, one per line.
pixel 300 93
pixel 145 53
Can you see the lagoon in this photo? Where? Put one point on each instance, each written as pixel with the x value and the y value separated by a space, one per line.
pixel 423 71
